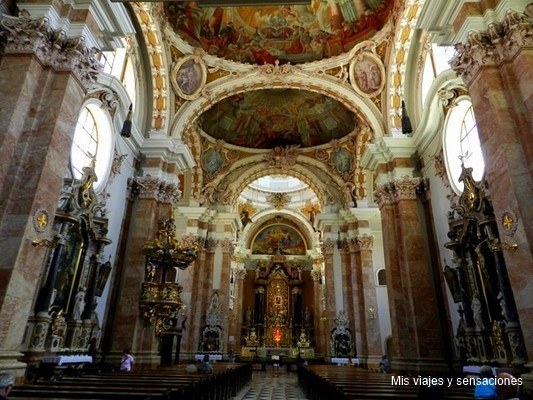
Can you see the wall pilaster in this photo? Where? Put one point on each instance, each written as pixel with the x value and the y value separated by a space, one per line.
pixel 496 66
pixel 411 292
pixel 43 79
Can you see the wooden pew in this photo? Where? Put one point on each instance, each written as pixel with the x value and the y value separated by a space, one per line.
pixel 321 382
pixel 171 383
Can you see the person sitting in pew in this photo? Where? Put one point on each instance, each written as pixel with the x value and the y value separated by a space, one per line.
pixel 205 366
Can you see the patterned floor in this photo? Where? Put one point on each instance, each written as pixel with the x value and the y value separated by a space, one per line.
pixel 270 385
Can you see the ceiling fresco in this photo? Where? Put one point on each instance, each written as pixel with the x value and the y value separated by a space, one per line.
pixel 288 33
pixel 264 119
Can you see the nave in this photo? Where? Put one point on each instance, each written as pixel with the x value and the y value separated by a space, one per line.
pixel 272 385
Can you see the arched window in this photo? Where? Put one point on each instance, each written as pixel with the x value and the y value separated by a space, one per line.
pixel 92 140
pixel 437 61
pixel 382 277
pixel 461 144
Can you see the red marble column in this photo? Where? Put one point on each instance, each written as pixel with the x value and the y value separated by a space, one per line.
pixel 330 313
pixel 412 299
pixel 238 306
pixel 227 251
pixel 130 329
pixel 320 335
pixel 496 66
pixel 41 90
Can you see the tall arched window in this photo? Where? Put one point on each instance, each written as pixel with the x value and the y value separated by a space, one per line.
pixel 461 144
pixel 437 61
pixel 93 139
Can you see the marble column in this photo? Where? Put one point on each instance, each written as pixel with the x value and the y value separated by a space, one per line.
pixel 367 306
pixel 496 67
pixel 320 336
pixel 328 246
pixel 131 330
pixel 201 295
pixel 412 298
pixel 227 251
pixel 238 306
pixel 43 79
pixel 348 293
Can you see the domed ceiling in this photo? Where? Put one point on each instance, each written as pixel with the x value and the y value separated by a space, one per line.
pixel 288 33
pixel 268 118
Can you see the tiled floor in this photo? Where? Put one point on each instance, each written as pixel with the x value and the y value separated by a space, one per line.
pixel 270 385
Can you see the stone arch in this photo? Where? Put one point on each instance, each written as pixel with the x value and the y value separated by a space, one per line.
pixel 299 219
pixel 273 77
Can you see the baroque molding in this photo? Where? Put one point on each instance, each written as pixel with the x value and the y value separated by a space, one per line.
pixel 401 189
pixel 327 246
pixel 499 43
pixel 149 187
pixel 25 35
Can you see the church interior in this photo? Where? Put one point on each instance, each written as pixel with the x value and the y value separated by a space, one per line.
pixel 328 181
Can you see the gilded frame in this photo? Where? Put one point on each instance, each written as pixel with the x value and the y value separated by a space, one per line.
pixel 188 77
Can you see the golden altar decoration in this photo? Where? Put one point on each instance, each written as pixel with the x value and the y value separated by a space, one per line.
pixel 160 300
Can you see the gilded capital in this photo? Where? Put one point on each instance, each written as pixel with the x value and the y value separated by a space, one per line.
pixel 149 187
pixel 239 273
pixel 499 43
pixel 327 246
pixel 227 245
pixel 25 35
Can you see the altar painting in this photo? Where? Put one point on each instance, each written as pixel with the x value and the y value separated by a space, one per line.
pixel 279 239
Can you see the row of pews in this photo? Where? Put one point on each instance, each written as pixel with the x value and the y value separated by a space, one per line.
pixel 327 382
pixel 170 383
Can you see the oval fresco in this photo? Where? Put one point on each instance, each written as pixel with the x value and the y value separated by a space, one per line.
pixel 287 33
pixel 341 160
pixel 278 239
pixel 264 119
pixel 212 160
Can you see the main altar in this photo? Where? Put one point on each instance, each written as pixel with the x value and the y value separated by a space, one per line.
pixel 278 325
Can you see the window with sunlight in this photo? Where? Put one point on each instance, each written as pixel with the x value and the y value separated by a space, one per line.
pixel 462 145
pixel 93 139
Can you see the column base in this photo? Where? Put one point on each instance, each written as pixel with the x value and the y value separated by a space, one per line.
pixel 9 362
pixel 527 383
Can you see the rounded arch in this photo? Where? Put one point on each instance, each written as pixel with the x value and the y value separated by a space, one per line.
pixel 272 77
pixel 259 219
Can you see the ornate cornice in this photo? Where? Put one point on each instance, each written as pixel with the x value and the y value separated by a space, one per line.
pixel 25 35
pixel 499 43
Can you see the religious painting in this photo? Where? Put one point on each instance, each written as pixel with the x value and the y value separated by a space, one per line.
pixel 67 272
pixel 278 239
pixel 367 74
pixel 278 33
pixel 342 160
pixel 188 77
pixel 213 160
